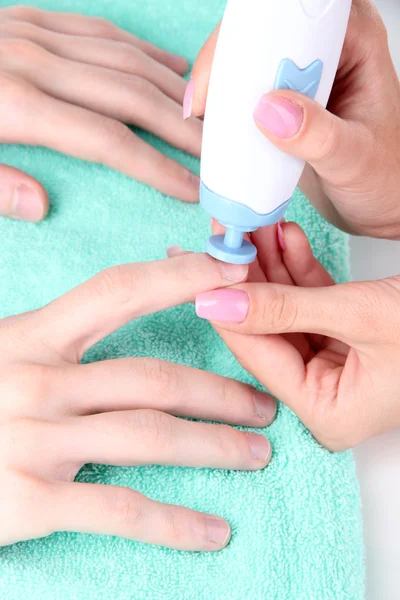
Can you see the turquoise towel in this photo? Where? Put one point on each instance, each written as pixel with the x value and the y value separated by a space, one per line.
pixel 297 531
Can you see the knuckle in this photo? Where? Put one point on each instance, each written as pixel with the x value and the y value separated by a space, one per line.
pixel 226 395
pixel 131 58
pixel 116 282
pixel 15 29
pixel 114 134
pixel 144 88
pixel 329 147
pixel 125 506
pixel 175 527
pixel 275 311
pixel 154 426
pixel 15 92
pixel 227 441
pixel 163 374
pixel 21 49
pixel 18 12
pixel 101 27
pixel 27 389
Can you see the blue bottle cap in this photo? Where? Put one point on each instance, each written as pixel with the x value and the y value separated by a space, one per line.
pixel 240 252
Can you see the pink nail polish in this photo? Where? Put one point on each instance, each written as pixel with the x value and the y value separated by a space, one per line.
pixel 281 237
pixel 188 100
pixel 279 116
pixel 224 306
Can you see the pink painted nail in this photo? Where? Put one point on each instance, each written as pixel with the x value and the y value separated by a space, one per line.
pixel 188 100
pixel 279 116
pixel 281 237
pixel 224 306
pixel 26 205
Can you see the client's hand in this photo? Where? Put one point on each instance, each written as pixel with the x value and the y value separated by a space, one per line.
pixel 352 150
pixel 332 353
pixel 70 82
pixel 56 415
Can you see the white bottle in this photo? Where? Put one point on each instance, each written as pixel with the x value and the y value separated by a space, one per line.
pixel 246 183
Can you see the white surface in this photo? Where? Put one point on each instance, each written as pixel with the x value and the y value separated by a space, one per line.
pixel 378 460
pixel 261 34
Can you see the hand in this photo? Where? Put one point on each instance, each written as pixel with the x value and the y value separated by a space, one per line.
pixel 353 151
pixel 69 82
pixel 332 353
pixel 56 415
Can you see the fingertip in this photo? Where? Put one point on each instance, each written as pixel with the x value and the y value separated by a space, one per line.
pixel 29 202
pixel 295 239
pixel 219 533
pixel 299 259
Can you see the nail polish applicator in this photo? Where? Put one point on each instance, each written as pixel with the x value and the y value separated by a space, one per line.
pixel 263 45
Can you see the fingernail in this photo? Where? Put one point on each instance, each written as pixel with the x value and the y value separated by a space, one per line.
pixel 265 406
pixel 26 204
pixel 260 447
pixel 188 99
pixel 234 273
pixel 224 306
pixel 174 251
pixel 281 237
pixel 279 116
pixel 195 179
pixel 219 532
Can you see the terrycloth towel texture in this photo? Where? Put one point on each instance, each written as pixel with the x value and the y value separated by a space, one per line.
pixel 297 531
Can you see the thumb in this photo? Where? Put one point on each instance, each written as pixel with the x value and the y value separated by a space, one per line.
pixel 345 312
pixel 301 127
pixel 200 76
pixel 21 196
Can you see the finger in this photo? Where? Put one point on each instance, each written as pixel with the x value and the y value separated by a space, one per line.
pixel 117 56
pixel 76 24
pixel 163 386
pixel 143 437
pixel 126 98
pixel 342 312
pixel 122 512
pixel 21 196
pixel 120 294
pixel 201 74
pixel 298 257
pixel 268 241
pixel 37 119
pixel 275 362
pixel 300 126
pixel 307 271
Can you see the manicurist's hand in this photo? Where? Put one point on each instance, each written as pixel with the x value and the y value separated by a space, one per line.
pixel 352 149
pixel 70 82
pixel 330 353
pixel 57 414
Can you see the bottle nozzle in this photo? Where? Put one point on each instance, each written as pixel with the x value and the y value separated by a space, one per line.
pixel 231 247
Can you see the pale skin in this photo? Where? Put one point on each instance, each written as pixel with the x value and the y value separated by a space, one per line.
pixel 72 83
pixel 118 412
pixel 340 377
pixel 331 353
pixel 352 149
